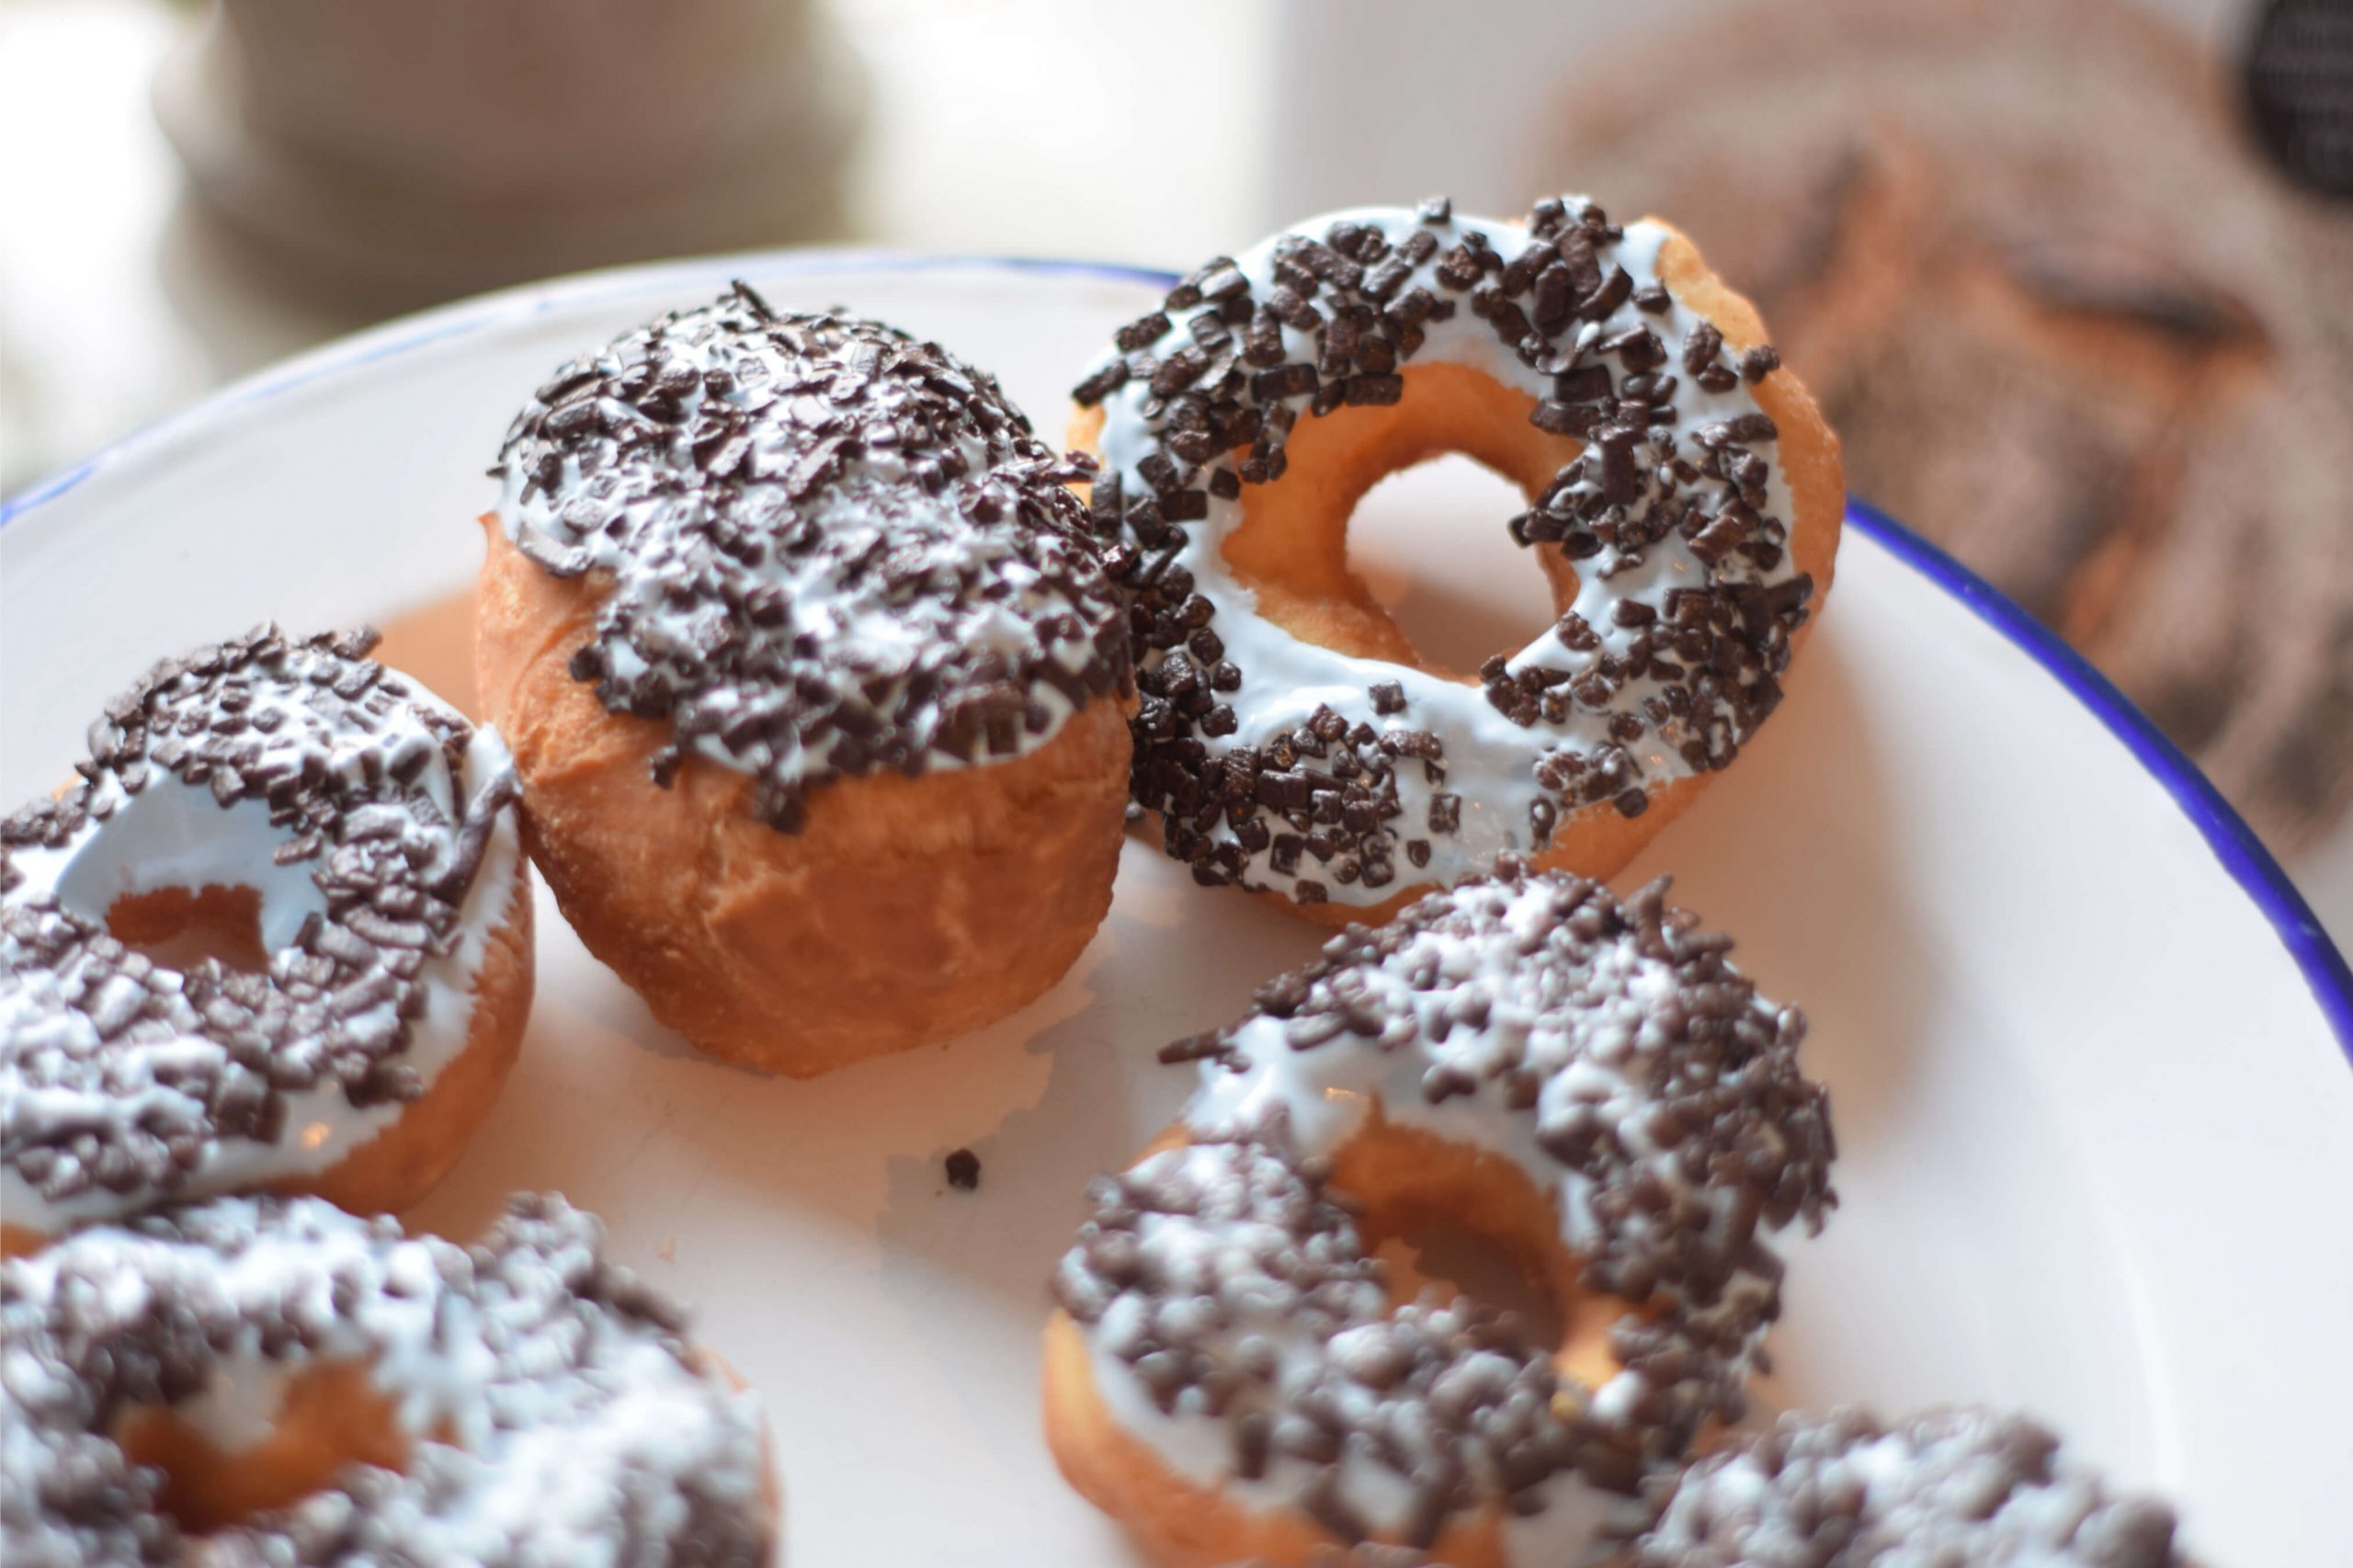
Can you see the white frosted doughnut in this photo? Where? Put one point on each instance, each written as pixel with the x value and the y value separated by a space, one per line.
pixel 377 826
pixel 545 1405
pixel 1280 764
pixel 831 551
pixel 1236 1329
pixel 815 685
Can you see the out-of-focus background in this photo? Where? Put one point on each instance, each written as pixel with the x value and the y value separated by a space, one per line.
pixel 2074 277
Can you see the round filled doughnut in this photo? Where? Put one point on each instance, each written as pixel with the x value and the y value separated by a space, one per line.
pixel 1585 1084
pixel 1960 1488
pixel 274 1381
pixel 817 688
pixel 1684 502
pixel 277 936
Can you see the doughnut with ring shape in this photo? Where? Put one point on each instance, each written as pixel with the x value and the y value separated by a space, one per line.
pixel 817 689
pixel 1584 1084
pixel 362 832
pixel 1960 1487
pixel 1683 502
pixel 274 1381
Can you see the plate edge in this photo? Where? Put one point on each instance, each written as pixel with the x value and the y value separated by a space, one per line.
pixel 2243 855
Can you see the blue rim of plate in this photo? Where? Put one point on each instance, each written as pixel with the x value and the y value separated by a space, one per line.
pixel 2242 854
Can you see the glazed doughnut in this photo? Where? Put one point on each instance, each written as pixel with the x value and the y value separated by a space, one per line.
pixel 816 689
pixel 274 1381
pixel 1585 1084
pixel 1683 502
pixel 1961 1488
pixel 350 841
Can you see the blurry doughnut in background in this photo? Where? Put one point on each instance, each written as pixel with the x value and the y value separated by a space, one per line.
pixel 2070 322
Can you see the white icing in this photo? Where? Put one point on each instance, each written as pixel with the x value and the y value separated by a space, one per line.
pixel 956 585
pixel 1197 1444
pixel 1200 1446
pixel 1579 1041
pixel 238 1407
pixel 537 1419
pixel 172 834
pixel 1488 759
pixel 1957 1486
pixel 1327 1093
pixel 1470 999
pixel 857 621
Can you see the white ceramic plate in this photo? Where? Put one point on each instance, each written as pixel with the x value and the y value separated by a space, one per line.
pixel 2087 1049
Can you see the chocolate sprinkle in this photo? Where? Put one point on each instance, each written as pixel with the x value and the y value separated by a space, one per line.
pixel 1532 1007
pixel 1194 1259
pixel 836 551
pixel 572 1420
pixel 963 1170
pixel 1961 1488
pixel 1674 498
pixel 121 1075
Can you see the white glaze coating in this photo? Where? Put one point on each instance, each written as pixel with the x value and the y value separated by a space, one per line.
pixel 1963 1487
pixel 1582 1038
pixel 816 447
pixel 1603 1047
pixel 548 1425
pixel 1488 759
pixel 171 833
pixel 857 620
pixel 1200 1445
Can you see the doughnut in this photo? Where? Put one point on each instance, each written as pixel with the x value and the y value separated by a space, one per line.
pixel 816 686
pixel 347 843
pixel 1684 504
pixel 1960 1488
pixel 1582 1082
pixel 270 1379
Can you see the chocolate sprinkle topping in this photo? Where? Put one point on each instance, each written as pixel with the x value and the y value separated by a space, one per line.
pixel 1673 509
pixel 834 551
pixel 1202 1266
pixel 963 1170
pixel 531 1362
pixel 1535 1016
pixel 121 1075
pixel 1961 1488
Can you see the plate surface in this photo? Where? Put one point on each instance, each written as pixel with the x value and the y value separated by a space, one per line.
pixel 2095 1114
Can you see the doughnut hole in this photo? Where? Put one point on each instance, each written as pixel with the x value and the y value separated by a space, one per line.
pixel 1442 1262
pixel 1291 547
pixel 1430 543
pixel 181 928
pixel 330 1415
pixel 1460 1216
pixel 182 877
pixel 1470 1223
